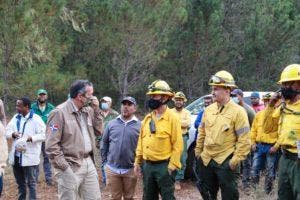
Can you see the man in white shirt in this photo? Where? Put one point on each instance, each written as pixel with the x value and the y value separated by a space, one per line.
pixel 28 132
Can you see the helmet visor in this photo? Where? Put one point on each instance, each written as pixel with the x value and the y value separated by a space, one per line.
pixel 152 88
pixel 216 80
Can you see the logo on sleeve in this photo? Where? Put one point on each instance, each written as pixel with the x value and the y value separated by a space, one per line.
pixel 53 128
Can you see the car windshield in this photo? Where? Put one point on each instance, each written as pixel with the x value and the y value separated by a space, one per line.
pixel 198 105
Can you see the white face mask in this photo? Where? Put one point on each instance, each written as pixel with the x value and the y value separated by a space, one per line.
pixel 236 100
pixel 104 106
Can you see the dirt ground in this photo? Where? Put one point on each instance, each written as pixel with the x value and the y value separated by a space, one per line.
pixel 188 191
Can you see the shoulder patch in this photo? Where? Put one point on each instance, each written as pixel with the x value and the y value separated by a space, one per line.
pixel 53 128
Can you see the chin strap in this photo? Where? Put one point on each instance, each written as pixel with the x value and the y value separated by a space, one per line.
pixel 284 109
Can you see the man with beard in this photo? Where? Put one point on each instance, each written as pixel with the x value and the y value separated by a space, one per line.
pixel 255 101
pixel 70 143
pixel 223 141
pixel 287 117
pixel 185 117
pixel 43 108
pixel 118 147
pixel 159 145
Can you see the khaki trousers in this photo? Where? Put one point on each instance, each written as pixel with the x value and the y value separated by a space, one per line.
pixel 82 184
pixel 121 185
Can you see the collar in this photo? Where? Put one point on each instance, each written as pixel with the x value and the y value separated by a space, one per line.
pixel 73 108
pixel 165 115
pixel 132 119
pixel 296 103
pixel 222 109
pixel 27 116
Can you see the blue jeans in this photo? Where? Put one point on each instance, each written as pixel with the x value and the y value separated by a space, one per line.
pixel 25 176
pixel 103 173
pixel 46 166
pixel 262 157
pixel 1 184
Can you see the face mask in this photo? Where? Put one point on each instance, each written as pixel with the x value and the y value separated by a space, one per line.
pixel 154 104
pixel 87 102
pixel 104 106
pixel 235 100
pixel 289 93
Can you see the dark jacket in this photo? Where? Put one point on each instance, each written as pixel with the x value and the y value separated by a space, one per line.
pixel 119 143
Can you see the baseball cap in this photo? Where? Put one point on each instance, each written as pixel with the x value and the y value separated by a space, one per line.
pixel 107 99
pixel 255 95
pixel 237 92
pixel 41 91
pixel 130 99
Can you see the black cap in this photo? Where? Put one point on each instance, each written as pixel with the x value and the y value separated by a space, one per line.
pixel 237 92
pixel 129 99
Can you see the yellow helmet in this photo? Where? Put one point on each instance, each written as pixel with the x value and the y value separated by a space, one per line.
pixel 267 96
pixel 180 95
pixel 160 87
pixel 290 73
pixel 222 78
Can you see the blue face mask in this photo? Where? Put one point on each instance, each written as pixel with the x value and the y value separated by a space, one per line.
pixel 236 100
pixel 104 106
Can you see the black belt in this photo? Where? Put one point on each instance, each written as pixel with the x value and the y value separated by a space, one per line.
pixel 86 155
pixel 289 155
pixel 157 161
pixel 263 143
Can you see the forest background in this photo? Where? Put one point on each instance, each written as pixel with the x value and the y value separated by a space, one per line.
pixel 123 45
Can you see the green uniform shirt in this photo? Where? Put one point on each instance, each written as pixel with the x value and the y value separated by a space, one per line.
pixel 43 114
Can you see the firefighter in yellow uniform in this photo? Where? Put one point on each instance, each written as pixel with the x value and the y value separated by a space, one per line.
pixel 287 116
pixel 185 116
pixel 159 145
pixel 223 141
pixel 261 143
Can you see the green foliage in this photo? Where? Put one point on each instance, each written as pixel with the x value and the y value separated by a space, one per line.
pixel 122 46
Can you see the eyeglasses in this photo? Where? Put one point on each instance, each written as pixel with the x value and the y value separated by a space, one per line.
pixel 216 80
pixel 87 97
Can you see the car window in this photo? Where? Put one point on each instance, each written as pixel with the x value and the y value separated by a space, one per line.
pixel 196 106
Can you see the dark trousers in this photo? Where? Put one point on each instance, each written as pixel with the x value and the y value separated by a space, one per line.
pixel 214 176
pixel 25 176
pixel 289 178
pixel 246 171
pixel 1 183
pixel 46 166
pixel 156 180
